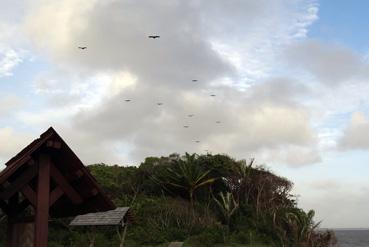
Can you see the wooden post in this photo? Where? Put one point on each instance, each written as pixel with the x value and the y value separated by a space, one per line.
pixel 11 231
pixel 92 237
pixel 10 241
pixel 42 209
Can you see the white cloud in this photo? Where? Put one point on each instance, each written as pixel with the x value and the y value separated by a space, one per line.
pixel 64 89
pixel 9 59
pixel 9 103
pixel 15 141
pixel 356 134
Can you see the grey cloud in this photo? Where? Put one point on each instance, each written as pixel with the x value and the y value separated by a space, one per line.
pixel 116 36
pixel 330 64
pixel 115 33
pixel 348 200
pixel 248 125
pixel 293 155
pixel 266 116
pixel 281 90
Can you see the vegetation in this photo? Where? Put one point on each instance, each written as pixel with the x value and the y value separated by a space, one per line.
pixel 203 200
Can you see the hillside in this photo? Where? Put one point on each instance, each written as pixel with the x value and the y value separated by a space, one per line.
pixel 204 200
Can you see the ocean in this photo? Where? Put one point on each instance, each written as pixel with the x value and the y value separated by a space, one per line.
pixel 352 238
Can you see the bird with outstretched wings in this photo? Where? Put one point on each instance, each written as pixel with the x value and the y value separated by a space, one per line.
pixel 159 103
pixel 127 100
pixel 82 47
pixel 194 80
pixel 154 36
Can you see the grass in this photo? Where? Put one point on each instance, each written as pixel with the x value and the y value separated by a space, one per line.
pixel 133 244
pixel 233 245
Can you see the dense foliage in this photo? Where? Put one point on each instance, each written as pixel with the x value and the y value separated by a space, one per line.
pixel 204 200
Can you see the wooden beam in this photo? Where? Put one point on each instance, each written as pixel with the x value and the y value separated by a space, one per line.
pixel 79 173
pixel 72 194
pixel 53 144
pixel 23 219
pixel 42 209
pixel 74 175
pixel 31 162
pixel 22 206
pixel 20 182
pixel 28 193
pixel 55 195
pixel 7 172
pixel 94 192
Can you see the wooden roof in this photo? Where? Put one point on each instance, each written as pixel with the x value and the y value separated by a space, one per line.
pixel 88 197
pixel 116 217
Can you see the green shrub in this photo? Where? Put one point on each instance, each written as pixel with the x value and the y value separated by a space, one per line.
pixel 207 238
pixel 243 237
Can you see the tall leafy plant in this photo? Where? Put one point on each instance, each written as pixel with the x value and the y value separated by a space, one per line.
pixel 187 175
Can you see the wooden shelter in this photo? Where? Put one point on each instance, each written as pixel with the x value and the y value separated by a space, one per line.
pixel 46 180
pixel 119 217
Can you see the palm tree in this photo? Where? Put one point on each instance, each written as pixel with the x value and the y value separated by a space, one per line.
pixel 301 227
pixel 187 175
pixel 228 206
pixel 305 224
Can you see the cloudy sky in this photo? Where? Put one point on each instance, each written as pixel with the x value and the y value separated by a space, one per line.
pixel 290 79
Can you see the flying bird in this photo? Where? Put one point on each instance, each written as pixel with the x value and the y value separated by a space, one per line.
pixel 154 36
pixel 186 126
pixel 218 122
pixel 127 100
pixel 212 95
pixel 159 103
pixel 197 141
pixel 82 47
pixel 190 115
pixel 194 80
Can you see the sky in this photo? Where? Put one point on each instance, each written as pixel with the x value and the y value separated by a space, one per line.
pixel 290 79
